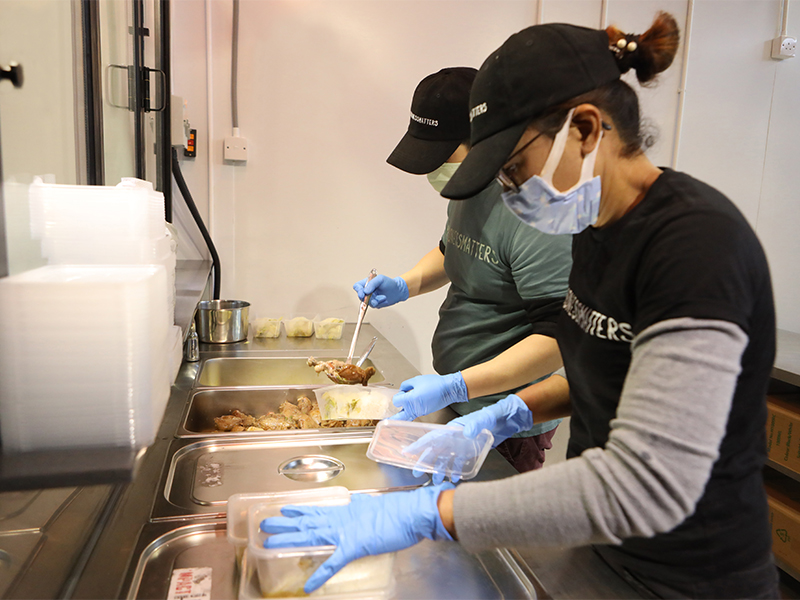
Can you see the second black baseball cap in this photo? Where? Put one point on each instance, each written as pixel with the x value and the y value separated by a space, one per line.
pixel 535 69
pixel 439 121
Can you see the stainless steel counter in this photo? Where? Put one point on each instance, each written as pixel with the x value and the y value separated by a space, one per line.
pixel 103 543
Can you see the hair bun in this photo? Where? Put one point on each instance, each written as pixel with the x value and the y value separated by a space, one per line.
pixel 649 53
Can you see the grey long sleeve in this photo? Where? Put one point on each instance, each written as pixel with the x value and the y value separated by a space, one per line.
pixel 650 475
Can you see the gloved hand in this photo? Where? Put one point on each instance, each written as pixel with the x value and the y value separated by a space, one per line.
pixel 440 452
pixel 385 291
pixel 368 525
pixel 424 394
pixel 504 418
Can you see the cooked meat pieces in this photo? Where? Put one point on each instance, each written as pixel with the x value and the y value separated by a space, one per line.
pixel 303 415
pixel 359 423
pixel 274 422
pixel 341 372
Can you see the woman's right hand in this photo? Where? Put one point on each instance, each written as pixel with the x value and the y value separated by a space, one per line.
pixel 385 290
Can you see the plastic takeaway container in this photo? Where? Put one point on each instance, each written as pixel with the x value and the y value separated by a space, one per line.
pixel 282 572
pixel 341 402
pixel 238 505
pixel 430 448
pixel 329 329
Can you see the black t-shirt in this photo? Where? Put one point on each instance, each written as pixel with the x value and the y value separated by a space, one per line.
pixel 684 251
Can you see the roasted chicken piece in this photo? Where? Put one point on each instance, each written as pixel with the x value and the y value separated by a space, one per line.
pixel 303 415
pixel 342 372
pixel 274 422
pixel 236 421
pixel 294 413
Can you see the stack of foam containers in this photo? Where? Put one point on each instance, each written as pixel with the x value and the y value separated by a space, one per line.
pixel 88 343
pixel 82 349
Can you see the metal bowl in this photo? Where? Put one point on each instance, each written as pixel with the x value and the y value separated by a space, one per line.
pixel 222 321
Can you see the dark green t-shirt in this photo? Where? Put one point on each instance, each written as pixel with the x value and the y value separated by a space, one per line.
pixel 507 281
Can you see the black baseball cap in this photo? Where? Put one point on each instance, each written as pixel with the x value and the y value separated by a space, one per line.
pixel 439 121
pixel 535 69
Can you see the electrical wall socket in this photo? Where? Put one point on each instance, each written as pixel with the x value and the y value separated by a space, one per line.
pixel 235 148
pixel 784 46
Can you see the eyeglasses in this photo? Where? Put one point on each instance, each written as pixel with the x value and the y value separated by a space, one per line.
pixel 504 174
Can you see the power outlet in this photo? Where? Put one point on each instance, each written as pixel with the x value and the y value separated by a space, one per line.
pixel 784 46
pixel 235 149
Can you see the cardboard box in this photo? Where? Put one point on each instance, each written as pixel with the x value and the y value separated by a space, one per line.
pixel 783 495
pixel 783 430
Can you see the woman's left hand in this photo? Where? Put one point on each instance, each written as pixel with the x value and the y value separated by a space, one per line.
pixel 368 525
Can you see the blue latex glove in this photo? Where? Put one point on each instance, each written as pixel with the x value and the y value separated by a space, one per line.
pixel 424 394
pixel 385 290
pixel 438 450
pixel 368 525
pixel 504 418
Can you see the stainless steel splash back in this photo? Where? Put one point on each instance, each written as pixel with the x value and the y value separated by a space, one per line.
pixel 204 474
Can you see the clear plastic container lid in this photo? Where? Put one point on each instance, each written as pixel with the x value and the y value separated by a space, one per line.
pixel 341 402
pixel 430 448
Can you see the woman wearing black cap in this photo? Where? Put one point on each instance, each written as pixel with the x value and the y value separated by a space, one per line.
pixel 507 281
pixel 667 336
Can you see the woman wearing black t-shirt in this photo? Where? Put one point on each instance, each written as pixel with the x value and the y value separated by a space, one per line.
pixel 667 336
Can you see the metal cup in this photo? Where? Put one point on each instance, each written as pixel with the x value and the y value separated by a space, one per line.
pixel 222 321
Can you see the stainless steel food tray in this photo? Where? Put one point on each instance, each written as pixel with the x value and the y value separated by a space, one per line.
pixel 205 404
pixel 429 570
pixel 268 371
pixel 204 474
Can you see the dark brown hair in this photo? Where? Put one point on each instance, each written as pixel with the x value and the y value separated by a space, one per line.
pixel 648 54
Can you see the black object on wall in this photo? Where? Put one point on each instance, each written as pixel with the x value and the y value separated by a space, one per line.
pixel 92 94
pixel 187 196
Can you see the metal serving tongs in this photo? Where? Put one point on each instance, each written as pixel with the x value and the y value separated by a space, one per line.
pixel 366 352
pixel 361 312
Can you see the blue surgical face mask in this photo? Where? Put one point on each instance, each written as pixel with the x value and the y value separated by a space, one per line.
pixel 540 204
pixel 439 178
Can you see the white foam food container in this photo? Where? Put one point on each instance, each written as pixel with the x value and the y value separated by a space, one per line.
pixel 342 402
pixel 282 572
pixel 430 448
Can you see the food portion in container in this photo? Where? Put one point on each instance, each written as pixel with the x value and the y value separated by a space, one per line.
pixel 299 327
pixel 267 327
pixel 303 415
pixel 342 372
pixel 352 402
pixel 329 329
pixel 282 572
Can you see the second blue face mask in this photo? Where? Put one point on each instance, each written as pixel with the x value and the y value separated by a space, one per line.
pixel 539 204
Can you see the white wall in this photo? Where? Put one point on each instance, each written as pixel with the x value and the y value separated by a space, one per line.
pixel 324 92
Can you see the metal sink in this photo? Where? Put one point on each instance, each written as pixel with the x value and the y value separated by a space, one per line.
pixel 283 371
pixel 205 404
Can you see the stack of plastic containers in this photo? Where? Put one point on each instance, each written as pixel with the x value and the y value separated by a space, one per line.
pixel 120 225
pixel 83 356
